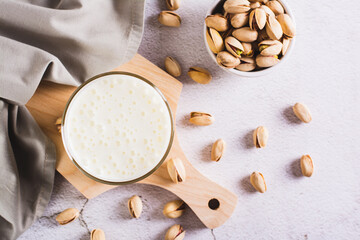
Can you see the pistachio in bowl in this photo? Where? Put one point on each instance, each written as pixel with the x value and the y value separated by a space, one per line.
pixel 249 38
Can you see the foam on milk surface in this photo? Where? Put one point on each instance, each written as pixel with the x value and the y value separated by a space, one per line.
pixel 117 128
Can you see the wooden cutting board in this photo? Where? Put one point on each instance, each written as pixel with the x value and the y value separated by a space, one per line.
pixel 212 203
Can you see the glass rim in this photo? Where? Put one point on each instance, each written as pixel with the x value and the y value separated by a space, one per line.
pixel 65 142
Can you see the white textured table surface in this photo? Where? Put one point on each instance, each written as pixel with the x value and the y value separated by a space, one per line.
pixel 323 72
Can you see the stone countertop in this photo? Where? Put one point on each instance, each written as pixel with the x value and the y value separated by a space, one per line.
pixel 322 72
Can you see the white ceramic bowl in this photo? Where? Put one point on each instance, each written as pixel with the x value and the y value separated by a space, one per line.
pixel 258 72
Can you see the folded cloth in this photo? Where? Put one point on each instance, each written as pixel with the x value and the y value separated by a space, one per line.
pixel 59 41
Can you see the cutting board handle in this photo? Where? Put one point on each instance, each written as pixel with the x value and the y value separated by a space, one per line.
pixel 212 203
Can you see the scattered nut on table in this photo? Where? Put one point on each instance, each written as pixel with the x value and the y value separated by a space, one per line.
pixel 175 232
pixel 97 234
pixel 199 75
pixel 176 170
pixel 217 150
pixel 201 118
pixel 169 18
pixel 172 66
pixel 258 182
pixel 302 112
pixel 307 165
pixel 67 216
pixel 173 4
pixel 174 209
pixel 135 206
pixel 260 137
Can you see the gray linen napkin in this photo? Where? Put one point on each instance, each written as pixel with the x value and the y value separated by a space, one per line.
pixel 60 41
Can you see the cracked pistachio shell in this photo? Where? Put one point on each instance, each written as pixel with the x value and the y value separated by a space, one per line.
pixel 267 10
pixel 169 18
pixel 234 46
pixel 135 206
pixel 67 216
pixel 254 5
pixel 286 42
pixel 275 6
pixel 214 40
pixel 201 118
pixel 239 20
pixel 173 4
pixel 175 232
pixel 199 75
pixel 266 61
pixel 248 49
pixel 270 47
pixel 172 66
pixel 258 182
pixel 97 234
pixel 174 209
pixel 217 22
pixel 257 19
pixel 245 34
pixel 247 64
pixel 302 112
pixel 307 165
pixel 260 137
pixel 227 60
pixel 176 170
pixel 236 6
pixel 217 150
pixel 287 25
pixel 273 28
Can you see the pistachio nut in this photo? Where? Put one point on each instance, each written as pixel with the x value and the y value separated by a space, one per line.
pixel 169 18
pixel 174 209
pixel 257 19
pixel 239 20
pixel 172 66
pixel 260 137
pixel 176 170
pixel 266 61
pixel 227 60
pixel 287 25
pixel 217 150
pixel 135 206
pixel 307 165
pixel 234 46
pixel 267 10
pixel 199 75
pixel 217 22
pixel 302 112
pixel 270 47
pixel 254 5
pixel 273 28
pixel 275 6
pixel 58 124
pixel 246 64
pixel 201 118
pixel 258 182
pixel 236 6
pixel 97 234
pixel 173 4
pixel 245 34
pixel 214 40
pixel 67 216
pixel 175 232
pixel 285 45
pixel 248 49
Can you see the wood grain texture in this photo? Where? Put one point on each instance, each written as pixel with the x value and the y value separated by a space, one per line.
pixel 48 104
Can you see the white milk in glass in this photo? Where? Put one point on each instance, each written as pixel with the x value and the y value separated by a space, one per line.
pixel 117 128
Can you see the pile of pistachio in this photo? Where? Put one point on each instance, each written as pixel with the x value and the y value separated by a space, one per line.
pixel 251 35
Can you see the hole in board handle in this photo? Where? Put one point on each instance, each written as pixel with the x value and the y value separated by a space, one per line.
pixel 214 204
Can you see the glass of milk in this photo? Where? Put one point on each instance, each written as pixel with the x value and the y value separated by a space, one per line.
pixel 117 128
